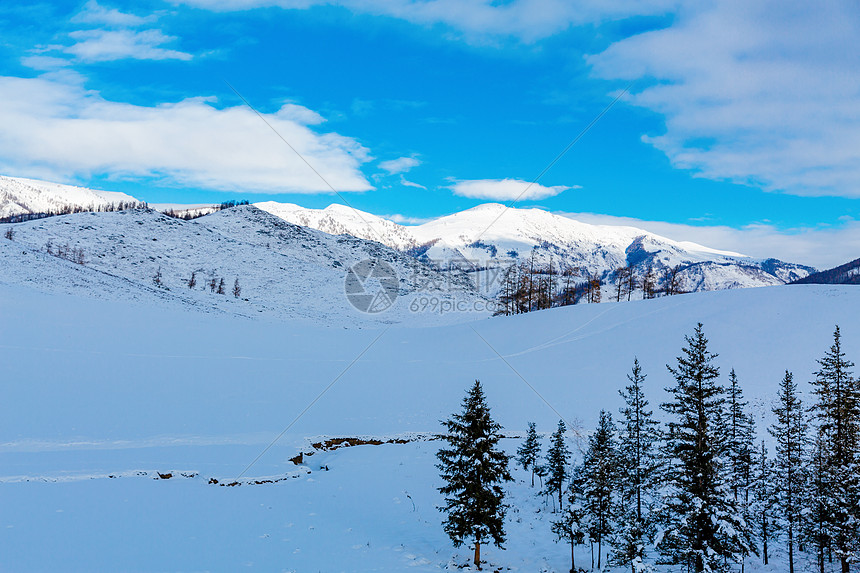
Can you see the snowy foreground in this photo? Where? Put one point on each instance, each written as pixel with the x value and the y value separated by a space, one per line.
pixel 101 397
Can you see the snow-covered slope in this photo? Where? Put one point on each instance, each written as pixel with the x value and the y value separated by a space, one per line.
pixel 342 220
pixel 99 397
pixel 22 196
pixel 495 235
pixel 284 271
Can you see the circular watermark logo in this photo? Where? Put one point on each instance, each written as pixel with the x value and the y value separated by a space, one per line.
pixel 371 286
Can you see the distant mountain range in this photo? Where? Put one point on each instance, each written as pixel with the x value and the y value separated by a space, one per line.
pixel 479 240
pixel 847 274
pixel 493 235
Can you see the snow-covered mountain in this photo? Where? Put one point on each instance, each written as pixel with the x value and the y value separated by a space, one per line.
pixel 24 196
pixel 479 240
pixel 493 235
pixel 284 270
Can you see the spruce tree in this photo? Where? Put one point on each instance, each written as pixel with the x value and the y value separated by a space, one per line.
pixel 740 449
pixel 473 468
pixel 571 524
pixel 763 501
pixel 703 527
pixel 638 466
pixel 557 463
pixel 599 481
pixel 819 517
pixel 837 412
pixel 789 431
pixel 528 453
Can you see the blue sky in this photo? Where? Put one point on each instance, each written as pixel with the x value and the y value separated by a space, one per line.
pixel 740 128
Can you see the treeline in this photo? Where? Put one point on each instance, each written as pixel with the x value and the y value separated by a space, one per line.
pixel 527 287
pixel 189 214
pixel 699 492
pixel 70 209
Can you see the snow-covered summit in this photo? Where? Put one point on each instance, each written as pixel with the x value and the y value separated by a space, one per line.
pixel 493 234
pixel 20 196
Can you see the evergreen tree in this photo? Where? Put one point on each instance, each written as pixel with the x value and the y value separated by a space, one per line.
pixel 571 525
pixel 599 481
pixel 638 466
pixel 529 452
pixel 740 449
pixel 703 527
pixel 789 431
pixel 473 468
pixel 763 501
pixel 237 290
pixel 557 463
pixel 837 412
pixel 816 525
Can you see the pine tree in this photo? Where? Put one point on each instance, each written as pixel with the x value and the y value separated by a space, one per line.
pixel 599 481
pixel 571 525
pixel 237 290
pixel 789 431
pixel 702 524
pixel 529 452
pixel 638 466
pixel 837 412
pixel 473 468
pixel 816 525
pixel 740 449
pixel 763 500
pixel 557 463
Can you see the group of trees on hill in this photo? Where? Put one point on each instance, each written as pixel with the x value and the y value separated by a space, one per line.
pixel 69 209
pixel 697 493
pixel 527 286
pixel 190 214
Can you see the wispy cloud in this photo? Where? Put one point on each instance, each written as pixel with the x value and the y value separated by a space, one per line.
pixel 108 45
pixel 406 183
pixel 95 13
pixel 527 20
pixel 406 220
pixel 821 247
pixel 762 93
pixel 399 165
pixel 505 189
pixel 56 129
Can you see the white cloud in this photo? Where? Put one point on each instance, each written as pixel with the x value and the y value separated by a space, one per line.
pixel 54 128
pixel 528 20
pixel 505 189
pixel 94 13
pixel 406 183
pixel 818 247
pixel 108 45
pixel 763 93
pixel 406 220
pixel 399 165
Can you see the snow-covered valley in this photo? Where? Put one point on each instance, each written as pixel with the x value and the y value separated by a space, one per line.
pixel 100 388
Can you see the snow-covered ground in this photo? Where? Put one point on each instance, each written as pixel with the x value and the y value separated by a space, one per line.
pixel 98 388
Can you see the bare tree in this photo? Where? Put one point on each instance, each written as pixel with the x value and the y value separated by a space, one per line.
pixel 10 233
pixel 237 290
pixel 192 282
pixel 221 286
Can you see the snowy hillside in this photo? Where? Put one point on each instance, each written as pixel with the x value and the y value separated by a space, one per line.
pixel 494 235
pixel 120 422
pixel 283 271
pixel 21 196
